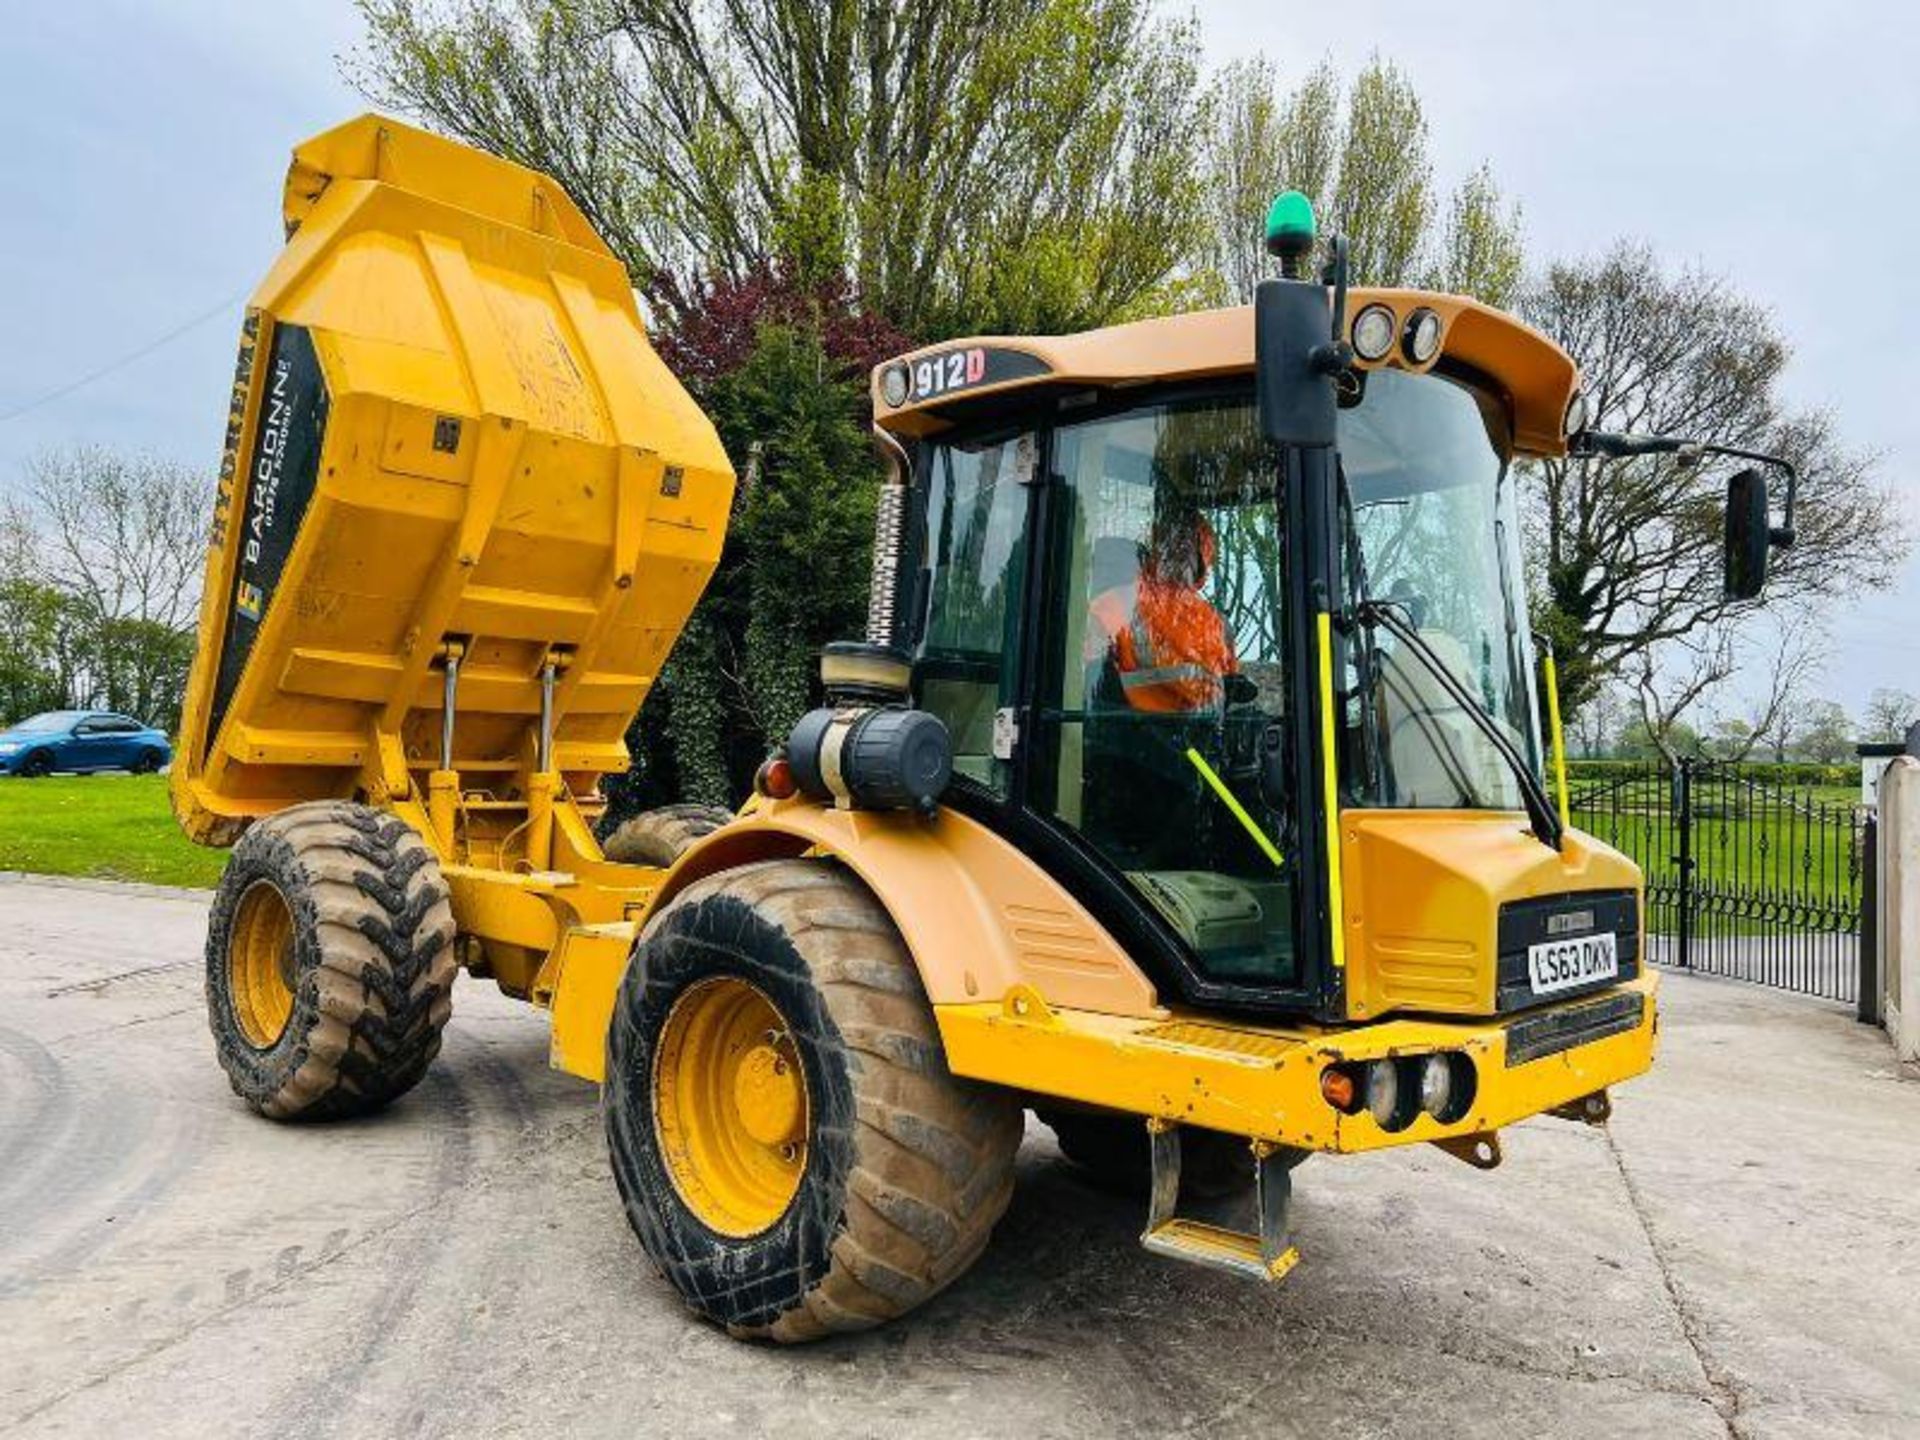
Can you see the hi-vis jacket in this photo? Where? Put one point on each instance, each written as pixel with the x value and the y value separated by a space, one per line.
pixel 1169 645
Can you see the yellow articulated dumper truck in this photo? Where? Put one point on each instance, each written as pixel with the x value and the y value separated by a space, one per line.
pixel 1187 788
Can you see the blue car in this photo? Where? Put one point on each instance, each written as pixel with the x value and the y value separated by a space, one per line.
pixel 81 740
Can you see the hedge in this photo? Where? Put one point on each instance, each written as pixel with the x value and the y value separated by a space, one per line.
pixel 1791 773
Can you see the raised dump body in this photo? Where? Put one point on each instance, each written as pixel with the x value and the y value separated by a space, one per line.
pixel 450 439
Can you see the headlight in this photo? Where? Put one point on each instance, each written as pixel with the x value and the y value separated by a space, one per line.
pixel 7 747
pixel 1448 1084
pixel 1576 414
pixel 1373 332
pixel 893 385
pixel 1423 336
pixel 1383 1093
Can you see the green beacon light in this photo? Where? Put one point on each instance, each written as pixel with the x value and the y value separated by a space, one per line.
pixel 1290 231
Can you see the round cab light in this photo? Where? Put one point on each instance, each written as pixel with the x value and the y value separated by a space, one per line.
pixel 893 385
pixel 1373 332
pixel 1422 336
pixel 1576 414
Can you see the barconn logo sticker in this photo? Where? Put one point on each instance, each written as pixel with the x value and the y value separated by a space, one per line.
pixel 264 493
pixel 282 467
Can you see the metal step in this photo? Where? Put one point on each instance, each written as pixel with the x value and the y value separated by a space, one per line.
pixel 1266 1256
pixel 1223 1249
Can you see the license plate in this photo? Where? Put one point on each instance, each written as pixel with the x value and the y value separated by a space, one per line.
pixel 1557 965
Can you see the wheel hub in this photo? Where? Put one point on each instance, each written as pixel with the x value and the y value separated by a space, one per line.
pixel 730 1106
pixel 260 965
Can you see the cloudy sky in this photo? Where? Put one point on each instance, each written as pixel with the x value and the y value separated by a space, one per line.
pixel 140 196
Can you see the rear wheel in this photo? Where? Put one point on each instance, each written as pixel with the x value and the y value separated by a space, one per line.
pixel 660 837
pixel 1115 1152
pixel 330 962
pixel 792 1151
pixel 146 762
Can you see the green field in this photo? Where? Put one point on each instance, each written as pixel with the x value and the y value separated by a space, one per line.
pixel 110 827
pixel 1749 845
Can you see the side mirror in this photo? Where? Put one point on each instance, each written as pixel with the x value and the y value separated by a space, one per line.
pixel 1748 535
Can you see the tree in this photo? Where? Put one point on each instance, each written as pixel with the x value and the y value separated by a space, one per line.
pixel 780 365
pixel 1828 735
pixel 100 583
pixel 1632 548
pixel 1890 714
pixel 1011 165
pixel 1360 154
pixel 36 641
pixel 1594 729
pixel 1639 741
pixel 1668 682
pixel 1775 709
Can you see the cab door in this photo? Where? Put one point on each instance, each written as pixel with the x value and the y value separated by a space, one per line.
pixel 1161 683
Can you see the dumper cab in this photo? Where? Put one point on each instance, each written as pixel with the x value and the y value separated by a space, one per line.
pixel 1074 502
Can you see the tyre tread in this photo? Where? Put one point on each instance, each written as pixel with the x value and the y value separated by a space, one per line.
pixel 369 1010
pixel 932 1168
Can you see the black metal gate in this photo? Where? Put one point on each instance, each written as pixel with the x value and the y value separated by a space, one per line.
pixel 1746 878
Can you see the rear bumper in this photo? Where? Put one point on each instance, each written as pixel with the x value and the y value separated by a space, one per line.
pixel 1264 1082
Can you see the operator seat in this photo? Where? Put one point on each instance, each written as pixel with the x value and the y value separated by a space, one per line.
pixel 1439 758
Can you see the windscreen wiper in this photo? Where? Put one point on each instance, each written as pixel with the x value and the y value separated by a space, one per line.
pixel 1546 822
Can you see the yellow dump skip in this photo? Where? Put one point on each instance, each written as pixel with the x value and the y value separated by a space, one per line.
pixel 448 428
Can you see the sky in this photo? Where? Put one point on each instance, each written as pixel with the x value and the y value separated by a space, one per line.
pixel 139 201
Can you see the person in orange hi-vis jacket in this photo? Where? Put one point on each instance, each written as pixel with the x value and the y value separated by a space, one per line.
pixel 1168 644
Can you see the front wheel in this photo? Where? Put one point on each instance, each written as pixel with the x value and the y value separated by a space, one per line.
pixel 791 1149
pixel 330 961
pixel 36 765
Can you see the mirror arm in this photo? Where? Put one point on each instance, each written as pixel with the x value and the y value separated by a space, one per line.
pixel 1590 444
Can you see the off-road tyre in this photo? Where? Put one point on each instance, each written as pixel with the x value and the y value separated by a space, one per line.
pixel 1116 1154
pixel 660 837
pixel 372 962
pixel 907 1168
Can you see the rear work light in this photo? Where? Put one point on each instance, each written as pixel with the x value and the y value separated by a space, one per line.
pixel 1398 1089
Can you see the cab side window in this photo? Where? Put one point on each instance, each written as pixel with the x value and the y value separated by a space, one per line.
pixel 972 559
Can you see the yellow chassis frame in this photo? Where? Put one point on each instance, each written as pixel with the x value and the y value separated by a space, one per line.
pixel 1182 1068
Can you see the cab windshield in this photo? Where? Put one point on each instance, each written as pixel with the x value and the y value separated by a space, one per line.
pixel 1429 529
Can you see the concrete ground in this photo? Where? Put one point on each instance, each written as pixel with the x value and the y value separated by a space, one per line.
pixel 1739 1254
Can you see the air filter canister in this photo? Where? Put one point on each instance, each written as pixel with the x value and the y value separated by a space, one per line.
pixel 872 757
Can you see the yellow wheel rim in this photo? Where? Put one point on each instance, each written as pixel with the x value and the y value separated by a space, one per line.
pixel 730 1106
pixel 260 964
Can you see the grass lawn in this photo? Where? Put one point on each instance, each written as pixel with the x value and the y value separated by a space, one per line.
pixel 1757 851
pixel 110 827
